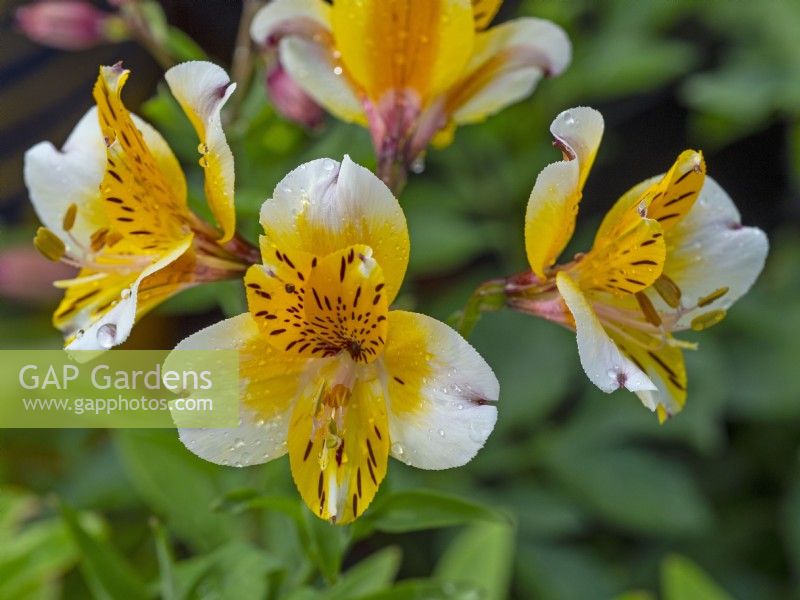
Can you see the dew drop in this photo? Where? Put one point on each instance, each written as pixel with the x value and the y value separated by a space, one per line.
pixel 125 294
pixel 441 433
pixel 107 335
pixel 418 165
pixel 337 70
pixel 397 449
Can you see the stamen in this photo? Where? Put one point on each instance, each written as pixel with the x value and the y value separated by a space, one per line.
pixel 715 295
pixel 69 217
pixel 49 244
pixel 648 310
pixel 708 319
pixel 668 290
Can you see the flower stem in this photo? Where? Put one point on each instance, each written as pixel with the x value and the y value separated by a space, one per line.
pixel 490 296
pixel 243 63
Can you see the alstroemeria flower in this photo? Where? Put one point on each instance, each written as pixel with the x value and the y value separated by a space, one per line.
pixel 113 204
pixel 670 255
pixel 409 69
pixel 328 373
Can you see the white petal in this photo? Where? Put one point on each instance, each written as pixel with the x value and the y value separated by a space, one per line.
pixel 259 438
pixel 324 206
pixel 313 68
pixel 508 62
pixel 202 89
pixel 604 364
pixel 440 391
pixel 56 179
pixel 114 326
pixel 709 250
pixel 280 18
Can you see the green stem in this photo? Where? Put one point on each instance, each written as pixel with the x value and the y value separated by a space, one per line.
pixel 490 296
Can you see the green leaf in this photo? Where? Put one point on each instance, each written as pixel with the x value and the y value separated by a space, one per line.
pixel 681 579
pixel 372 574
pixel 481 556
pixel 182 47
pixel 635 489
pixel 425 589
pixel 107 573
pixel 166 562
pixel 405 511
pixel 176 485
pixel 35 550
pixel 235 571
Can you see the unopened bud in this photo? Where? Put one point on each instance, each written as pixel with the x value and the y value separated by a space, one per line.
pixel 69 24
pixel 291 101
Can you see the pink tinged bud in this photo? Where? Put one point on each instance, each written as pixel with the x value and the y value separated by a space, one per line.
pixel 65 24
pixel 291 101
pixel 27 276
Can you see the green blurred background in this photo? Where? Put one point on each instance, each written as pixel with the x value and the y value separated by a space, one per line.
pixel 577 494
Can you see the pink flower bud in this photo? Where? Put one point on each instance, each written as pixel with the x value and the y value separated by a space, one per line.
pixel 291 100
pixel 64 24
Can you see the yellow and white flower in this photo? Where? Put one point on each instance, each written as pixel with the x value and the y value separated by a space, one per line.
pixel 113 204
pixel 671 255
pixel 328 373
pixel 410 69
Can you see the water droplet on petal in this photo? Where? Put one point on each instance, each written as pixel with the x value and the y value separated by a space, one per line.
pixel 418 165
pixel 125 294
pixel 397 449
pixel 107 335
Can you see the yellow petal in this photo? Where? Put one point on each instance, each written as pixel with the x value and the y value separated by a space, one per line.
pixel 667 199
pixel 626 263
pixel 419 45
pixel 321 307
pixel 98 313
pixel 339 448
pixel 140 203
pixel 202 88
pixel 324 206
pixel 553 205
pixel 483 11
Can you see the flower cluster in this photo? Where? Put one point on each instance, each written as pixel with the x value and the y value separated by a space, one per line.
pixel 329 373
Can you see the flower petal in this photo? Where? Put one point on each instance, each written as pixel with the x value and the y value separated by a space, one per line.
pixel 314 68
pixel 101 329
pixel 56 179
pixel 666 198
pixel 323 206
pixel 320 307
pixel 202 88
pixel 483 11
pixel 440 391
pixel 282 18
pixel 710 250
pixel 665 368
pixel 141 203
pixel 418 45
pixel 553 205
pixel 302 32
pixel 508 62
pixel 270 384
pixel 602 360
pixel 339 448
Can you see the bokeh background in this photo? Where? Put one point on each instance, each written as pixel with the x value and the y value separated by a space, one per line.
pixel 578 494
